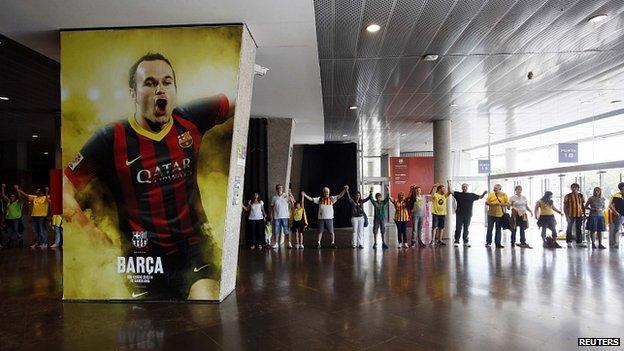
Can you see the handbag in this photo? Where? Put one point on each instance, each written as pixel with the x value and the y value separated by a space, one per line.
pixel 505 221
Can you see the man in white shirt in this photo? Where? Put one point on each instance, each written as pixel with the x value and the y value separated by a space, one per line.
pixel 326 213
pixel 280 214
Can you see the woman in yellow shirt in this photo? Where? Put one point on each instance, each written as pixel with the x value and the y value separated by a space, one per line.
pixel 439 195
pixel 545 212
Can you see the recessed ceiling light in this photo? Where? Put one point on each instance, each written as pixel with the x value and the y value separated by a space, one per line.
pixel 345 135
pixel 4 98
pixel 373 28
pixel 597 18
pixel 430 57
pixel 46 153
pixel 35 136
pixel 352 107
pixel 453 105
pixel 616 101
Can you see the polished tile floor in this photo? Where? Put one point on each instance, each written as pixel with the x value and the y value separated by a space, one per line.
pixel 344 299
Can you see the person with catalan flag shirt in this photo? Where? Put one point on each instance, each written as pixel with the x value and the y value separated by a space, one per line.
pixel 148 162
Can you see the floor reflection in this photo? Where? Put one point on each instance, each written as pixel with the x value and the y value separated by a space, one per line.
pixel 431 298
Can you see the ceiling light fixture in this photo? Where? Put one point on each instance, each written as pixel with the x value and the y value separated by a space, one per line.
pixel 453 105
pixel 373 28
pixel 353 108
pixel 4 98
pixel 35 136
pixel 46 153
pixel 430 57
pixel 345 135
pixel 597 18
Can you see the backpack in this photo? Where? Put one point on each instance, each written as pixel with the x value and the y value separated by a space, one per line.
pixel 550 243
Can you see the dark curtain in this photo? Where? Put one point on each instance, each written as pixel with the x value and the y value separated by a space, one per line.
pixel 331 165
pixel 256 176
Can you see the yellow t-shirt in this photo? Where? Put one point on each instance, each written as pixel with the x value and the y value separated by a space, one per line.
pixel 496 211
pixel 39 205
pixel 545 209
pixel 439 204
pixel 297 214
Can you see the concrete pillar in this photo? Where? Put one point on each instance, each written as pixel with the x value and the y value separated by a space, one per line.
pixel 279 146
pixel 442 150
pixel 442 162
pixel 511 153
pixel 229 258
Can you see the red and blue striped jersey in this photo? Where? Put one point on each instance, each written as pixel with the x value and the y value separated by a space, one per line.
pixel 152 177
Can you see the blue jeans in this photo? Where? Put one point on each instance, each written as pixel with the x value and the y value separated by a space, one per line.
pixel 12 228
pixel 401 231
pixel 58 236
pixel 492 222
pixel 39 230
pixel 280 226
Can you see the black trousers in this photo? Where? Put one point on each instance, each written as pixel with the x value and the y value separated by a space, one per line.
pixel 462 221
pixel 256 231
pixel 578 223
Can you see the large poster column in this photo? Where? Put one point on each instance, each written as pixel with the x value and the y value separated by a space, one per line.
pixel 154 127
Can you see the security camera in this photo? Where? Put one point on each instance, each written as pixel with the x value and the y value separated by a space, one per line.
pixel 259 70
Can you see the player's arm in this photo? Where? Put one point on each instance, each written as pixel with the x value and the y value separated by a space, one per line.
pixel 205 113
pixel 90 162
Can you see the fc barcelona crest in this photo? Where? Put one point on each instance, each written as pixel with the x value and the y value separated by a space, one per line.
pixel 185 140
pixel 139 239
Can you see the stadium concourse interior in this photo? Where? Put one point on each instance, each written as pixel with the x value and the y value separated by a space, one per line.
pixel 487 133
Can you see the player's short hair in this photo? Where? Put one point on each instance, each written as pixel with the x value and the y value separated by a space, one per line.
pixel 150 56
pixel 575 185
pixel 621 186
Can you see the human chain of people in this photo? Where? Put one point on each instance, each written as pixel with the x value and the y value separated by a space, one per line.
pixel 587 219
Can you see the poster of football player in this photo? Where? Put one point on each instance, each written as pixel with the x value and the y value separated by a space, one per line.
pixel 147 124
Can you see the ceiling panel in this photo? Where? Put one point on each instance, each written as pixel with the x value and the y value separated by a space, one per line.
pixel 486 48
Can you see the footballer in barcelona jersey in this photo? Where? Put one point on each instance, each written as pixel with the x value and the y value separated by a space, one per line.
pixel 148 162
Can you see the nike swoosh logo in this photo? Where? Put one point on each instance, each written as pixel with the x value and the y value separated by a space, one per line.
pixel 134 295
pixel 128 163
pixel 200 268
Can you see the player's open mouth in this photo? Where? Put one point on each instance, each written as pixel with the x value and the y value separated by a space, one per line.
pixel 161 107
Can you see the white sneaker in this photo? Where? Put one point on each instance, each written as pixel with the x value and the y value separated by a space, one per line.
pixel 301 246
pixel 456 244
pixel 43 246
pixel 33 246
pixel 54 246
pixel 275 246
pixel 466 245
pixel 290 245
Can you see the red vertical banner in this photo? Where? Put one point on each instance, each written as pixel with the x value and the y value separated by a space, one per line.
pixel 56 191
pixel 407 171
